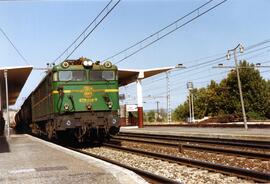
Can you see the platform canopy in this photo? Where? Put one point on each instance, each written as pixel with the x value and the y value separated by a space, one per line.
pixel 16 77
pixel 127 76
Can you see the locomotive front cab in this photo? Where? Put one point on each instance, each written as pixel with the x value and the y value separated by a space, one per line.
pixel 86 99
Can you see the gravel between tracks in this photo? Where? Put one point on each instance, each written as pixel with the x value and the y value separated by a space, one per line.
pixel 182 173
pixel 259 150
pixel 229 160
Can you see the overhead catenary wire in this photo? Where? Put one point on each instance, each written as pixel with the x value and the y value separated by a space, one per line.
pixel 194 67
pixel 182 86
pixel 158 34
pixel 221 58
pixel 181 80
pixel 182 83
pixel 97 23
pixel 217 57
pixel 251 49
pixel 216 60
pixel 254 56
pixel 83 32
pixel 124 50
pixel 15 48
pixel 153 82
pixel 258 44
pixel 179 85
pixel 263 62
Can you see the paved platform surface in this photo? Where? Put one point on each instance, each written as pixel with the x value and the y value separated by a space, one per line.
pixel 229 133
pixel 27 160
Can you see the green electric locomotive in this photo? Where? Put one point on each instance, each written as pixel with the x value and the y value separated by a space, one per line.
pixel 78 98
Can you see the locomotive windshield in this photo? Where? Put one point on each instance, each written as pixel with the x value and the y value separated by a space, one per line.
pixel 102 75
pixel 72 75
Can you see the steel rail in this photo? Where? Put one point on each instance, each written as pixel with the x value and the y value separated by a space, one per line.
pixel 197 147
pixel 147 175
pixel 230 142
pixel 240 172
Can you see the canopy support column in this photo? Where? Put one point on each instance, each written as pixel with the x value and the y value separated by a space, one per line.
pixel 7 104
pixel 140 102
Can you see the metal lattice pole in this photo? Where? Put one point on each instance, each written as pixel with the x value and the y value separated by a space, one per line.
pixel 169 114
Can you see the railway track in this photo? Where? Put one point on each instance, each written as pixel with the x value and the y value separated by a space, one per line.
pixel 156 178
pixel 249 154
pixel 239 172
pixel 213 141
pixel 150 177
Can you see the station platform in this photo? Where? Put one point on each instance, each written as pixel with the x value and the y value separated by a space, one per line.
pixel 26 159
pixel 261 134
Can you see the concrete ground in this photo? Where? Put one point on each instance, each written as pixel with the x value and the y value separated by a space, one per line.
pixel 25 159
pixel 262 134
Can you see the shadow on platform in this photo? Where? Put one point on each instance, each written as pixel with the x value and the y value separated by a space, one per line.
pixel 4 146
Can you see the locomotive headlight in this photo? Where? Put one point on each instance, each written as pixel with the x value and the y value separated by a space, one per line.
pixel 87 63
pixel 107 64
pixel 65 64
pixel 90 63
pixel 110 104
pixel 66 107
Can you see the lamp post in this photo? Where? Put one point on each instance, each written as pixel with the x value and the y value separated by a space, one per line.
pixel 157 111
pixel 190 102
pixel 241 49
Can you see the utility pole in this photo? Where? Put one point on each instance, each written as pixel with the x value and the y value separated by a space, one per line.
pixel 192 107
pixel 190 102
pixel 157 107
pixel 169 110
pixel 157 110
pixel 241 49
pixel 169 114
pixel 189 106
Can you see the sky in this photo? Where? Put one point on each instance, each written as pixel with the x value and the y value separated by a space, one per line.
pixel 41 30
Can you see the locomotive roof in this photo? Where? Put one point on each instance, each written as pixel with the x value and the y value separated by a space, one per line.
pixel 79 67
pixel 78 64
pixel 17 77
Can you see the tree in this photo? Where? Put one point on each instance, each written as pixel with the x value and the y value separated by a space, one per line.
pixel 255 92
pixel 223 99
pixel 181 112
pixel 151 116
